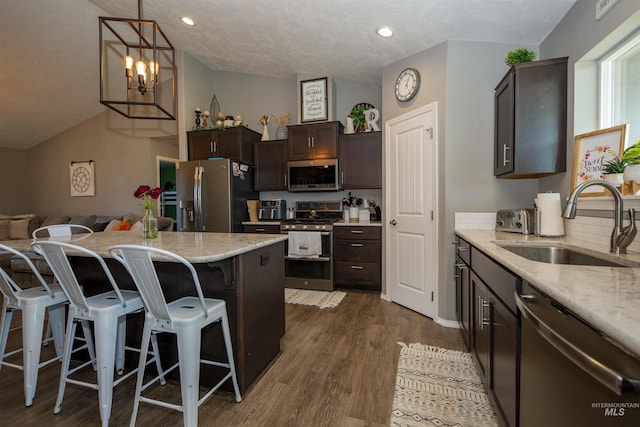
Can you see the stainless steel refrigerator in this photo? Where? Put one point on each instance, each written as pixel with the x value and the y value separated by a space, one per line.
pixel 213 194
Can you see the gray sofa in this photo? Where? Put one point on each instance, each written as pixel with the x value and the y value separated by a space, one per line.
pixel 22 226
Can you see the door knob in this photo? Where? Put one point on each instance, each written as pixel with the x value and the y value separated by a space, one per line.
pixel 393 222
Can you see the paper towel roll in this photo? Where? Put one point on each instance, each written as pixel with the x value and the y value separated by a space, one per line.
pixel 551 223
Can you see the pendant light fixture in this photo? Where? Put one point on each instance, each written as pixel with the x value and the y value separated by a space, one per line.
pixel 129 46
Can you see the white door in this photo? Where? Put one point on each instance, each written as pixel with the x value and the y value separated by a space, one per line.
pixel 411 231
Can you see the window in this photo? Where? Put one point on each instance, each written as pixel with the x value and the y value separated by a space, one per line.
pixel 620 88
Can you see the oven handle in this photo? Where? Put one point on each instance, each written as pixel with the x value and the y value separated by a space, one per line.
pixel 323 233
pixel 611 379
pixel 306 258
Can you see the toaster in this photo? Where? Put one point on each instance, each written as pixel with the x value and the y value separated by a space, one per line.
pixel 272 209
pixel 516 221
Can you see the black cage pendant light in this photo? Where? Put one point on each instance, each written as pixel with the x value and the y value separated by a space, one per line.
pixel 137 68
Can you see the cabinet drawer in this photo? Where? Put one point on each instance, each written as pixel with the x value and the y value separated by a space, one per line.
pixel 502 282
pixel 357 250
pixel 463 250
pixel 358 232
pixel 269 229
pixel 358 273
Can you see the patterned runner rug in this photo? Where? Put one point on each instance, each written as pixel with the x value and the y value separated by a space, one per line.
pixel 439 387
pixel 320 299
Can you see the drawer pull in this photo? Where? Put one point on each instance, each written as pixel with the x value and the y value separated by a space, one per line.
pixel 357 267
pixel 262 230
pixel 357 231
pixel 357 245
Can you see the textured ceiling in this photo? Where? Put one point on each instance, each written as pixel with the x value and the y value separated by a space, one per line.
pixel 49 49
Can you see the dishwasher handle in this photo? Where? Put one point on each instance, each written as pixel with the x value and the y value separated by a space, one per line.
pixel 611 379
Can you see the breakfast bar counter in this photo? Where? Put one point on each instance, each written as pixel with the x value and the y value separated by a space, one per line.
pixel 245 270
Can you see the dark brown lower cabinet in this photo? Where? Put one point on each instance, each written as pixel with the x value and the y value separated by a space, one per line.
pixel 495 329
pixel 357 255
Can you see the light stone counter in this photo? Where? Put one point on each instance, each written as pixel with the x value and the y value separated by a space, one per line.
pixel 193 246
pixel 608 298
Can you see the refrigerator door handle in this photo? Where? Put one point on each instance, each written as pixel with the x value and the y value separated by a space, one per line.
pixel 197 196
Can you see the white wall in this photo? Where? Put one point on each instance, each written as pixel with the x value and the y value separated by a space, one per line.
pixel 15 180
pixel 461 77
pixel 583 39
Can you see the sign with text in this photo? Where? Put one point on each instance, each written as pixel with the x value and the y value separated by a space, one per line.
pixel 313 100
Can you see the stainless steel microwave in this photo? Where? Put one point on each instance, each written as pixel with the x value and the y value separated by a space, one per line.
pixel 313 175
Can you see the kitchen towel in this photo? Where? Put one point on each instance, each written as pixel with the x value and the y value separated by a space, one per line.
pixel 551 222
pixel 305 244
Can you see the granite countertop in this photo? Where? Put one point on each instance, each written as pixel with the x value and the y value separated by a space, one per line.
pixel 195 247
pixel 608 298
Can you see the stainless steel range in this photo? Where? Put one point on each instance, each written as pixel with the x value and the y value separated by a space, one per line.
pixel 309 257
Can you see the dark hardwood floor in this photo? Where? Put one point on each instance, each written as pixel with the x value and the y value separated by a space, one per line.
pixel 337 368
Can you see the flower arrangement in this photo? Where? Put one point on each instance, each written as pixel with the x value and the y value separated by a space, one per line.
pixel 148 195
pixel 224 122
pixel 264 120
pixel 149 222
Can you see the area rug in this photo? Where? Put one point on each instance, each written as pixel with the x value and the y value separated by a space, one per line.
pixel 320 299
pixel 439 387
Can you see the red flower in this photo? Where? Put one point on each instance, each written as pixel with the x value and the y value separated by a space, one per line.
pixel 145 190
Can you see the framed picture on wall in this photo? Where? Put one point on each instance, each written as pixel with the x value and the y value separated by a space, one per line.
pixel 82 179
pixel 313 100
pixel 591 151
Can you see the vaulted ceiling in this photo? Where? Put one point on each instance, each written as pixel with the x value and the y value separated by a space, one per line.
pixel 49 49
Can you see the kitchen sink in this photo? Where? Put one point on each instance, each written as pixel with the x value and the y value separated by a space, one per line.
pixel 560 254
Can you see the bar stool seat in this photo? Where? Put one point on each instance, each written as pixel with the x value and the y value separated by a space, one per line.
pixel 108 313
pixel 184 317
pixel 33 302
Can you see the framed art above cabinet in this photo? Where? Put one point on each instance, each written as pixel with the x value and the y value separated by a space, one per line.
pixel 314 100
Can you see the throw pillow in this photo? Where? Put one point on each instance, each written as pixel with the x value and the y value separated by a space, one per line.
pixel 19 229
pixel 4 229
pixel 112 225
pixel 123 226
pixel 87 220
pixel 136 227
pixel 52 220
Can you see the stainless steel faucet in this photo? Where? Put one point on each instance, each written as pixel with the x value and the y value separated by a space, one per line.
pixel 621 237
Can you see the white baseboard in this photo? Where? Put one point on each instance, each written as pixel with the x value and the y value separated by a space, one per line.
pixel 447 323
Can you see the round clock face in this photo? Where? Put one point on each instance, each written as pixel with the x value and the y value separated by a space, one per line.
pixel 407 84
pixel 81 179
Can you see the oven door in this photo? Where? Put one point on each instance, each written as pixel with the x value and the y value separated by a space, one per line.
pixel 311 273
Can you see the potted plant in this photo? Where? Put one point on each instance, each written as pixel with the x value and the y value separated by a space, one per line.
pixel 631 156
pixel 520 55
pixel 613 171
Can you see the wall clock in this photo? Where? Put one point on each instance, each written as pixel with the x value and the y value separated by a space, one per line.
pixel 407 84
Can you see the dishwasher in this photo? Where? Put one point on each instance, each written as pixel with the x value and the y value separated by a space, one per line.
pixel 571 374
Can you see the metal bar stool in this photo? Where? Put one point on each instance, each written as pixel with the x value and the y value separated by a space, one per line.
pixel 33 302
pixel 108 313
pixel 185 317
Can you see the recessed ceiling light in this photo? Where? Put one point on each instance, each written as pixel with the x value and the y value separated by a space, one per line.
pixel 188 21
pixel 384 31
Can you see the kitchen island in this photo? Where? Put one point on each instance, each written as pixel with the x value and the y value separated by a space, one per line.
pixel 245 270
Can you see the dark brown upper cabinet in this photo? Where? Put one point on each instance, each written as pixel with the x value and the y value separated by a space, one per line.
pixel 314 141
pixel 531 120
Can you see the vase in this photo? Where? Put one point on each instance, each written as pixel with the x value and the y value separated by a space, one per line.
pixel 149 225
pixel 265 133
pixel 282 132
pixel 617 179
